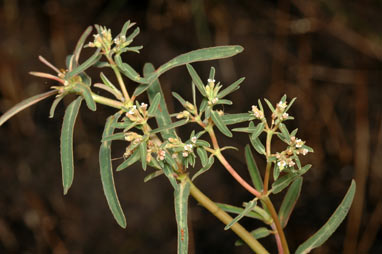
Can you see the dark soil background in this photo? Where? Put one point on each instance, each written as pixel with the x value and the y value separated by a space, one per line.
pixel 327 53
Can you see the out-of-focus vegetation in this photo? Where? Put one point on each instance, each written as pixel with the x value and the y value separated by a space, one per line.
pixel 326 53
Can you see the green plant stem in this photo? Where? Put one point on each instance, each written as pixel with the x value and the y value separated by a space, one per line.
pixel 275 217
pixel 269 164
pixel 106 101
pixel 266 177
pixel 121 82
pixel 225 218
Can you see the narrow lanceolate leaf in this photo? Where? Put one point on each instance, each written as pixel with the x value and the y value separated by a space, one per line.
pixel 238 210
pixel 289 201
pixel 108 83
pixel 253 169
pixel 220 124
pixel 256 143
pixel 66 143
pixel 257 234
pixel 162 116
pixel 85 92
pixel 181 195
pixel 153 175
pixel 283 182
pixel 229 119
pixel 54 105
pixel 127 70
pixel 134 157
pixel 115 136
pixel 179 98
pixel 331 225
pixel 85 65
pixel 76 54
pixel 25 104
pixel 202 155
pixel 269 105
pixel 169 173
pixel 154 105
pixel 231 88
pixel 198 55
pixel 107 173
pixel 251 204
pixel 258 130
pixel 170 126
pixel 196 79
pixel 205 168
pixel 143 154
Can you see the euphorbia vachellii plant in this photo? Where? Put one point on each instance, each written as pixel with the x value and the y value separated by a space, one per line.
pixel 165 153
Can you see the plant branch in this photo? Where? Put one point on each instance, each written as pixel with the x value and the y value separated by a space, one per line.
pixel 277 223
pixel 107 101
pixel 225 218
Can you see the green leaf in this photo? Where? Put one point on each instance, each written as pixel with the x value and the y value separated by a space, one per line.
pixel 205 168
pixel 107 173
pixel 231 88
pixel 108 83
pixel 181 195
pixel 128 71
pixel 169 173
pixel 198 55
pixel 76 54
pixel 179 98
pixel 224 102
pixel 229 119
pixel 256 143
pixel 85 65
pixel 134 157
pixel 54 105
pixel 276 172
pixel 143 153
pixel 115 136
pixel 220 124
pixel 196 79
pixel 253 169
pixel 238 210
pixel 284 131
pixel 202 155
pixel 170 126
pixel 304 169
pixel 249 206
pixel 152 175
pixel 162 116
pixel 85 92
pixel 283 182
pixel 201 142
pixel 269 105
pixel 154 104
pixel 331 225
pixel 25 104
pixel 257 234
pixel 289 201
pixel 212 73
pixel 66 143
pixel 126 27
pixel 133 34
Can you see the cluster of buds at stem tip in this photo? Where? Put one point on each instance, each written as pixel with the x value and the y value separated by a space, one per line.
pixel 257 112
pixel 212 91
pixel 133 137
pixel 279 112
pixel 161 155
pixel 183 114
pixel 102 40
pixel 137 114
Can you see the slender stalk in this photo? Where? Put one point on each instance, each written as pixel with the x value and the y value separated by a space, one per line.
pixel 225 218
pixel 266 178
pixel 121 82
pixel 106 101
pixel 229 168
pixel 278 241
pixel 277 223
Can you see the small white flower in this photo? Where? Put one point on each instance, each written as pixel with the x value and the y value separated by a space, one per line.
pixel 257 113
pixel 282 105
pixel 285 116
pixel 188 147
pixel 185 154
pixel 161 155
pixel 211 80
pixel 299 143
pixel 174 155
pixel 291 163
pixel 193 139
pixel 214 100
pixel 281 164
pixel 143 105
pixel 304 151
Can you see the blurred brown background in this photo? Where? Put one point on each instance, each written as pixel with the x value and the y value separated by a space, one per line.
pixel 326 53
